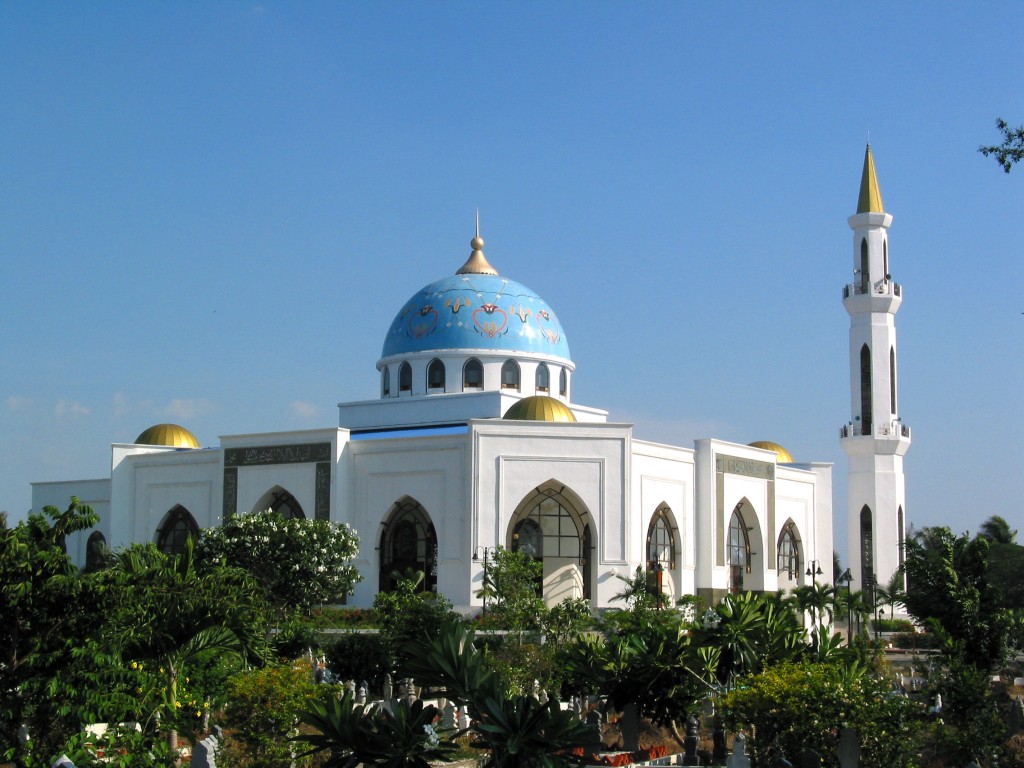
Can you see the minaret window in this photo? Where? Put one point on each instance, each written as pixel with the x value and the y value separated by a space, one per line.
pixel 405 378
pixel 892 380
pixel 865 273
pixel 385 386
pixel 885 258
pixel 435 375
pixel 563 383
pixel 867 548
pixel 473 374
pixel 543 378
pixel 900 538
pixel 510 375
pixel 865 390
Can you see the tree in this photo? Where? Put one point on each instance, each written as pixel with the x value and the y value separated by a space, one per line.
pixel 46 611
pixel 893 593
pixel 948 582
pixel 1011 150
pixel 300 562
pixel 169 613
pixel 997 530
pixel 408 613
pixel 514 578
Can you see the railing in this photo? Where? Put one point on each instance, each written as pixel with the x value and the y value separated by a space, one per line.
pixel 881 288
pixel 893 429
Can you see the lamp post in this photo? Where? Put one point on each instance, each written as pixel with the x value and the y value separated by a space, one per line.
pixel 813 569
pixel 485 553
pixel 848 577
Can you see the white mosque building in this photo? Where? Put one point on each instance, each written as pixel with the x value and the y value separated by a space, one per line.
pixel 474 442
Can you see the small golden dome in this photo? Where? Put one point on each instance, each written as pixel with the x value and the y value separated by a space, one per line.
pixel 168 434
pixel 782 455
pixel 540 408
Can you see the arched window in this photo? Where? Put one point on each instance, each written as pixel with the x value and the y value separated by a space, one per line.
pixel 435 374
pixel 287 506
pixel 177 527
pixel 867 548
pixel 385 385
pixel 865 390
pixel 901 541
pixel 789 551
pixel 549 526
pixel 885 258
pixel 563 383
pixel 472 374
pixel 408 541
pixel 892 380
pixel 661 540
pixel 405 378
pixel 528 539
pixel 865 278
pixel 738 550
pixel 542 378
pixel 95 551
pixel 510 375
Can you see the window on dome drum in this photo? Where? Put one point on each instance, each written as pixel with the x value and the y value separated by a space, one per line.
pixel 510 375
pixel 286 505
pixel 385 387
pixel 865 277
pixel 867 548
pixel 865 390
pixel 473 374
pixel 563 383
pixel 892 380
pixel 789 551
pixel 543 378
pixel 178 525
pixel 737 551
pixel 408 542
pixel 405 378
pixel 435 375
pixel 95 551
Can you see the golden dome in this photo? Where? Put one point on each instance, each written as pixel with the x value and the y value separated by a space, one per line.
pixel 782 455
pixel 540 408
pixel 168 434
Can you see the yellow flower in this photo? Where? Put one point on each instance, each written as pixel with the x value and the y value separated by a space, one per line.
pixel 177 705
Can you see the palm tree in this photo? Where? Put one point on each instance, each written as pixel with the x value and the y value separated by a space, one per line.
pixel 997 530
pixel 892 593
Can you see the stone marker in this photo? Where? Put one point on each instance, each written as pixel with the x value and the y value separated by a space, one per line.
pixel 810 759
pixel 849 748
pixel 738 758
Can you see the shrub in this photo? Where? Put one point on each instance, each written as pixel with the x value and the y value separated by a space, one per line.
pixel 360 656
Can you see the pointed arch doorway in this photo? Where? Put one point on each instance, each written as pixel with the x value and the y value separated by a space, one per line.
pixel 407 541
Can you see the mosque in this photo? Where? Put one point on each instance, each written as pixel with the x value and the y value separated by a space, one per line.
pixel 474 441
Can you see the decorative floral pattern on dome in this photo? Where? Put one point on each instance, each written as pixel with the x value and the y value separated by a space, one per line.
pixel 475 311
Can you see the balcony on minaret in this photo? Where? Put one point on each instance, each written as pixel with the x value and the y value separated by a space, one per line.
pixel 891 437
pixel 875 296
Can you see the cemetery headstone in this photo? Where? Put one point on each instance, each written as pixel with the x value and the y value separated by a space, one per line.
pixel 629 727
pixel 690 742
pixel 810 759
pixel 849 748
pixel 738 758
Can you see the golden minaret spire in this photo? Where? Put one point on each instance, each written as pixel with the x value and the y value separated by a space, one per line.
pixel 870 200
pixel 477 263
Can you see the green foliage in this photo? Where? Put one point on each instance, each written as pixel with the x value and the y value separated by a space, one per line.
pixel 1011 150
pixel 372 736
pixel 299 562
pixel 791 707
pixel 47 610
pixel 408 614
pixel 512 579
pixel 360 656
pixel 640 591
pixel 893 625
pixel 1005 566
pixel 948 582
pixel 520 732
pixel 262 713
pixel 567 620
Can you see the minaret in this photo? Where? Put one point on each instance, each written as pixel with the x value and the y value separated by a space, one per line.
pixel 875 439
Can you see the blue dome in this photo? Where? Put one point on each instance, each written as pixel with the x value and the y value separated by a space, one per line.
pixel 476 311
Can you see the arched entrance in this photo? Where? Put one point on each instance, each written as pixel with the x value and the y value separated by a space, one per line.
pixel 407 541
pixel 551 524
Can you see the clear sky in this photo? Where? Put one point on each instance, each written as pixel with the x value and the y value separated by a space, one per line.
pixel 210 213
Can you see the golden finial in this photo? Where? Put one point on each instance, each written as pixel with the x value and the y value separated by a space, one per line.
pixel 870 200
pixel 477 264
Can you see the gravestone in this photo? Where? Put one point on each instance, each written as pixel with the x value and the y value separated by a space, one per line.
pixel 361 694
pixel 593 741
pixel 204 753
pixel 464 721
pixel 738 758
pixel 62 762
pixel 448 716
pixel 544 697
pixel 629 727
pixel 718 751
pixel 849 748
pixel 388 688
pixel 1015 717
pixel 690 742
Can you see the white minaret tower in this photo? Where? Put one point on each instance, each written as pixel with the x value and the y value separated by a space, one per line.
pixel 875 439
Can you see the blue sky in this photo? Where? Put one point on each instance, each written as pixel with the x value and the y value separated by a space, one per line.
pixel 210 212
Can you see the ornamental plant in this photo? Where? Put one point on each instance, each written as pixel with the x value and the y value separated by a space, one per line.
pixel 300 562
pixel 792 707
